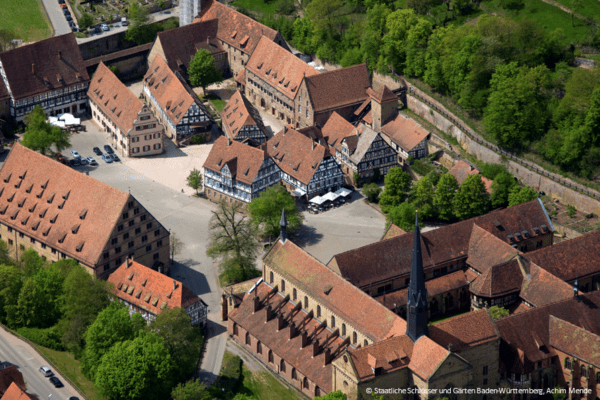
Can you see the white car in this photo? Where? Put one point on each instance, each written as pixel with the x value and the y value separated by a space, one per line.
pixel 92 161
pixel 75 154
pixel 105 27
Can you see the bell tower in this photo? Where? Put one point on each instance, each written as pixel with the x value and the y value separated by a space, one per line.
pixel 416 313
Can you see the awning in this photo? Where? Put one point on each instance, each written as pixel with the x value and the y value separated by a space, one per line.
pixel 343 192
pixel 318 200
pixel 330 196
pixel 299 192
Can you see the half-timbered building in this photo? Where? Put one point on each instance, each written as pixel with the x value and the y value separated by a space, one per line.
pixel 236 172
pixel 307 167
pixel 242 122
pixel 175 104
pixel 49 73
pixel 406 136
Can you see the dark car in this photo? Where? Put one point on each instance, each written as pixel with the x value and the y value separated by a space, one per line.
pixel 69 18
pixel 71 24
pixel 115 158
pixel 56 382
pixel 61 1
pixel 75 162
pixel 97 151
pixel 73 398
pixel 66 12
pixel 108 149
pixel 97 29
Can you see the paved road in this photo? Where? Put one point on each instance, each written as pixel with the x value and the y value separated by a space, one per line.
pixel 57 18
pixel 28 361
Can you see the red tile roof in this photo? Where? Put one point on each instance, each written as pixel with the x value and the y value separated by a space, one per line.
pixel 575 341
pixel 334 292
pixel 168 90
pixel 461 171
pixel 280 68
pixel 486 250
pixel 239 112
pixel 248 159
pixel 57 205
pixel 241 77
pixel 336 129
pixel 338 88
pixel 314 368
pixel 14 392
pixel 114 98
pixel 149 289
pixel 235 28
pixel 54 58
pixel 296 154
pixel 543 288
pixel 405 132
pixel 144 48
pixel 393 231
pixel 464 331
pixel 8 376
pixel 382 95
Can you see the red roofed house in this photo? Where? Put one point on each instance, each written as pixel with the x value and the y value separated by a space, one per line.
pixel 15 392
pixel 175 104
pixel 242 122
pixel 461 171
pixel 149 292
pixel 11 376
pixel 60 213
pixel 132 127
pixel 237 172
pixel 49 73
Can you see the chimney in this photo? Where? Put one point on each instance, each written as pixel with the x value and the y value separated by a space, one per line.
pixel 256 301
pixel 450 346
pixel 304 342
pixel 228 141
pixel 269 313
pixel 279 322
pixel 60 55
pixel 327 356
pixel 315 348
pixel 127 263
pixel 224 307
pixel 174 284
pixel 33 69
pixel 160 270
pixel 292 331
pixel 313 144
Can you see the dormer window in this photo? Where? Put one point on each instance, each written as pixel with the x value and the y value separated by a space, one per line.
pixel 62 239
pixel 75 228
pixel 53 220
pixel 29 189
pixel 83 213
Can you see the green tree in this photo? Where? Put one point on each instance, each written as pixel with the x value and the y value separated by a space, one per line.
pixel 233 241
pixel 194 180
pixel 416 46
pixel 398 25
pixel 191 390
pixel 136 369
pixel 322 13
pixel 575 6
pixel 498 312
pixel 434 177
pixel 520 195
pixel 503 182
pixel 112 325
pixel 31 262
pixel 422 196
pixel 443 200
pixel 115 70
pixel 40 135
pixel 83 295
pixel 11 281
pixel 181 338
pixel 4 256
pixel 140 29
pixel 39 301
pixel 372 192
pixel 471 199
pixel 397 188
pixel 85 21
pixel 265 210
pixel 203 71
pixel 356 179
pixel 337 395
pixel 403 216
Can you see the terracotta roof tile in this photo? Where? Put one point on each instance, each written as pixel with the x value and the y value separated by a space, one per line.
pixel 118 54
pixel 14 392
pixel 393 231
pixel 24 82
pixel 405 132
pixel 464 331
pixel 391 354
pixel 544 288
pixel 368 118
pixel 338 88
pixel 280 68
pixel 248 160
pixel 60 199
pixel 336 129
pixel 427 357
pixel 241 77
pixel 486 250
pixel 498 280
pixel 575 341
pixel 235 28
pixel 8 376
pixel 344 299
pixel 461 171
pixel 382 95
pixel 114 98
pixel 142 282
pixel 239 112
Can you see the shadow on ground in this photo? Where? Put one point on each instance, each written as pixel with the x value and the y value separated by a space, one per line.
pixel 183 271
pixel 307 236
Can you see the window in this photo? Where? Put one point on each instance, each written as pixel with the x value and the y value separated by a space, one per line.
pixel 114 241
pixel 282 366
pixel 53 251
pixel 117 250
pixel 126 236
pixel 282 285
pixel 156 232
pixel 318 311
pixel 10 229
pixel 306 302
pixel 343 329
pixel 149 247
pixel 305 383
pixel 159 243
pixel 131 223
pixel 118 262
pixel 32 240
pixel 149 226
pixel 270 356
pixel 485 370
pixel 106 267
pixel 130 245
pixel 157 146
pixel 294 294
pixel 294 374
pixel 366 342
pixel 155 256
pixel 332 322
pixel 125 215
pixel 120 228
pixel 146 148
pixel 143 218
pixel 259 347
pixel 354 337
pixel 22 247
pixel 584 371
pixel 568 363
pixel 271 278
pixel 248 341
pixel 21 235
pixel 44 246
pixel 138 231
pixel 106 255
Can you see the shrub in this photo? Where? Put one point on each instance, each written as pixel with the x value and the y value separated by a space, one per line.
pixel 491 170
pixel 421 167
pixel 198 139
pixel 372 192
pixel 553 213
pixel 571 211
pixel 48 337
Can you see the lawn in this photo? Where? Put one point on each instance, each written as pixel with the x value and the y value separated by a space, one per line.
pixel 589 8
pixel 264 386
pixel 69 367
pixel 217 102
pixel 260 6
pixel 25 18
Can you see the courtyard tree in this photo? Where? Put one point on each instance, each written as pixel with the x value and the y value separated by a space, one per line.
pixel 175 245
pixel 397 188
pixel 191 390
pixel 31 262
pixel 337 395
pixel 85 21
pixel 83 295
pixel 233 242
pixel 372 192
pixel 472 199
pixel 422 195
pixel 194 180
pixel 503 183
pixel 40 135
pixel 443 200
pixel 265 210
pixel 403 216
pixel 203 71
pixel 520 195
pixel 498 312
pixel 11 280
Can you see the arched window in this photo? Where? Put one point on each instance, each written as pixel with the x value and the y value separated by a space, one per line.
pixel 270 356
pixel 294 294
pixel 282 365
pixel 317 391
pixel 248 342
pixel 343 329
pixel 584 371
pixel 306 302
pixel 354 338
pixel 332 322
pixel 568 363
pixel 271 277
pixel 294 375
pixel 597 377
pixel 318 311
pixel 283 285
pixel 259 347
pixel 366 342
pixel 305 383
pixel 235 329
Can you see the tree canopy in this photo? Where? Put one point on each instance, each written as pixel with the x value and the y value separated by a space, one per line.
pixel 501 186
pixel 397 189
pixel 422 197
pixel 191 390
pixel 265 210
pixel 472 199
pixel 520 195
pixel 443 200
pixel 194 180
pixel 403 216
pixel 202 70
pixel 40 135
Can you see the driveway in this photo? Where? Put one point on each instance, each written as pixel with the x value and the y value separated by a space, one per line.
pixel 57 18
pixel 28 361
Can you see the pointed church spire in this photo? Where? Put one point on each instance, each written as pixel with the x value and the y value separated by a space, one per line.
pixel 283 226
pixel 416 321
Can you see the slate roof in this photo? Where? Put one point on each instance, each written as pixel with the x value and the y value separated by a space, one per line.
pixel 392 257
pixel 14 392
pixel 405 132
pixel 526 337
pixel 314 368
pixel 393 231
pixel 575 341
pixel 8 376
pixel 464 331
pixel 149 289
pixel 296 154
pixel 57 205
pixel 486 250
pixel 382 95
pixel 570 259
pixel 239 112
pixel 181 44
pixel 49 66
pixel 114 98
pixel 168 90
pixel 343 298
pixel 248 160
pixel 280 68
pixel 338 88
pixel 235 28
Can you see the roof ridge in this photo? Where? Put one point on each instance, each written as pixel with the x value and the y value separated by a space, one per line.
pixel 336 70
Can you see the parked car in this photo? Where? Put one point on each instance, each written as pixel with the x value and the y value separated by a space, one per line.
pixel 71 24
pixel 63 6
pixel 61 1
pixel 97 151
pixel 56 382
pixel 107 158
pixel 98 29
pixel 75 162
pixel 105 27
pixel 46 371
pixel 66 12
pixel 108 149
pixel 75 29
pixel 84 161
pixel 92 161
pixel 124 21
pixel 75 154
pixel 115 158
pixel 73 398
pixel 69 18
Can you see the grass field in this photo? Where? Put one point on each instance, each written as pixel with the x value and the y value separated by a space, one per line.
pixel 265 386
pixel 589 8
pixel 24 18
pixel 259 6
pixel 69 367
